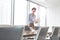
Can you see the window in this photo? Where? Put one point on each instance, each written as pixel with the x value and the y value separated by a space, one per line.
pixel 43 16
pixel 20 12
pixel 40 12
pixel 21 15
pixel 5 11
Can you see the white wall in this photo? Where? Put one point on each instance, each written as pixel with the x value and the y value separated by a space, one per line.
pixel 53 16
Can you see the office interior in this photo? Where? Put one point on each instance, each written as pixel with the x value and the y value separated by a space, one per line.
pixel 14 19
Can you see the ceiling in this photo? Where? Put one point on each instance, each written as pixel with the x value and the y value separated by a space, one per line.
pixel 48 3
pixel 53 2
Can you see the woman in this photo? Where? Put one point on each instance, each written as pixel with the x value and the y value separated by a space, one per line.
pixel 32 20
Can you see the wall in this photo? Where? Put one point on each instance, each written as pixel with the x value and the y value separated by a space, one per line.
pixel 53 16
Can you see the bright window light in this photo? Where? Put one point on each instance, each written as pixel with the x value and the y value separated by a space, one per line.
pixel 42 16
pixel 20 12
pixel 5 11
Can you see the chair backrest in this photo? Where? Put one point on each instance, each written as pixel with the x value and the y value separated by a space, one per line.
pixel 43 33
pixel 55 34
pixel 11 33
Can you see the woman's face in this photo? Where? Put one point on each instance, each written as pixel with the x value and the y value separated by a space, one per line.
pixel 33 11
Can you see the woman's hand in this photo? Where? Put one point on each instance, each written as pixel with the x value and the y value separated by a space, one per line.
pixel 37 20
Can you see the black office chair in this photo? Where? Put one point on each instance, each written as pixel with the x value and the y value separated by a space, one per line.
pixel 43 33
pixel 11 33
pixel 55 34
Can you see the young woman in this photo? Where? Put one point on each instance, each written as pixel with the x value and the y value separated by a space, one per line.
pixel 32 20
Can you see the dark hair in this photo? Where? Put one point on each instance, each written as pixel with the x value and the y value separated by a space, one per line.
pixel 33 8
